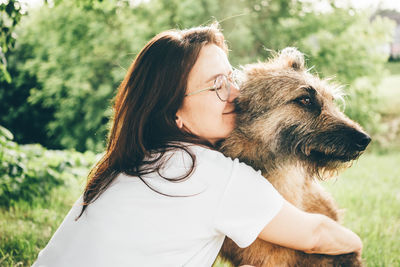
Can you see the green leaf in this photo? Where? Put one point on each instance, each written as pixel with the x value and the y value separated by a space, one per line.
pixel 6 75
pixel 5 132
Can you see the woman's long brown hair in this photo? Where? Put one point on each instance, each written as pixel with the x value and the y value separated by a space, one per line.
pixel 145 108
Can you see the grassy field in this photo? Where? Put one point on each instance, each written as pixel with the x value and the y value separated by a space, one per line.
pixel 393 67
pixel 369 192
pixel 26 228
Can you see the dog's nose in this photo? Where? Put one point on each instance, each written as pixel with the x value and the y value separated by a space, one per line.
pixel 362 140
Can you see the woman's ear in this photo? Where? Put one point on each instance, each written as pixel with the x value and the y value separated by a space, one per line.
pixel 178 120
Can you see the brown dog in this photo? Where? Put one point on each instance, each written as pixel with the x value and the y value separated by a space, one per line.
pixel 289 127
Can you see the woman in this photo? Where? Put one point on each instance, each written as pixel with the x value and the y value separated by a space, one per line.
pixel 161 195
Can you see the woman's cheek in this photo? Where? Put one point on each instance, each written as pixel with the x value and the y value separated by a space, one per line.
pixel 230 121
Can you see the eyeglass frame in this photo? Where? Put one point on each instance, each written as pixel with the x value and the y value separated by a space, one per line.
pixel 215 89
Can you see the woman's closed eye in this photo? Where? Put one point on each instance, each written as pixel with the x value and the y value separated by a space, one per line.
pixel 217 87
pixel 219 83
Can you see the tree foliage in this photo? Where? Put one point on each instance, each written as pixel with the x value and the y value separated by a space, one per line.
pixel 78 59
pixel 68 65
pixel 10 15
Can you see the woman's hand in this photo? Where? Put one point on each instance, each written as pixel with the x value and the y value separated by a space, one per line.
pixel 309 232
pixel 331 234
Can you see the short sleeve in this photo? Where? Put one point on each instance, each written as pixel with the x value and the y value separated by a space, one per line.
pixel 248 204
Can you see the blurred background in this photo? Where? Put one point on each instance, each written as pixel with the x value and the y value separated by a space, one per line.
pixel 61 62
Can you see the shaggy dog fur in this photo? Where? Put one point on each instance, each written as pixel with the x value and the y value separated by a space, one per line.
pixel 289 127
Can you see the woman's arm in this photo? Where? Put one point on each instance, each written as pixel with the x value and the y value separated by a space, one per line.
pixel 309 232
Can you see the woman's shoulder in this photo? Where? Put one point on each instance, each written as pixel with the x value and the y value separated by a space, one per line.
pixel 202 158
pixel 207 155
pixel 213 159
pixel 216 156
pixel 207 162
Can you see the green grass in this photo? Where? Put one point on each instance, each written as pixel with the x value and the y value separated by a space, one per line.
pixel 393 67
pixel 26 228
pixel 369 192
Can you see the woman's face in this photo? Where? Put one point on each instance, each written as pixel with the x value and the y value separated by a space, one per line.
pixel 203 113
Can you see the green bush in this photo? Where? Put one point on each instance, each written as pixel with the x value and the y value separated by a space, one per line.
pixel 28 172
pixel 75 60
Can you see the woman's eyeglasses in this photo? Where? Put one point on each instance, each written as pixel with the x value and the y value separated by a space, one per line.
pixel 222 86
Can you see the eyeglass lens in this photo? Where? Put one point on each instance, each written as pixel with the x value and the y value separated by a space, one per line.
pixel 222 87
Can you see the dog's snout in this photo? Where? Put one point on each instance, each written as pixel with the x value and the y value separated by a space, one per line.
pixel 361 140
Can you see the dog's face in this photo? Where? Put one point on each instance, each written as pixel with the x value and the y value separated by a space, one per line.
pixel 292 114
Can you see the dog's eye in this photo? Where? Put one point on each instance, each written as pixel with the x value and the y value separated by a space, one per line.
pixel 305 101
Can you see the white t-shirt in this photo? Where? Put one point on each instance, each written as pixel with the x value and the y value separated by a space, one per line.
pixel 131 225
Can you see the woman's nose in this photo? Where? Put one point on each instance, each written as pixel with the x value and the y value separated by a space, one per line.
pixel 234 92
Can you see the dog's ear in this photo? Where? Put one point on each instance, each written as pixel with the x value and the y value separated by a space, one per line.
pixel 292 58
